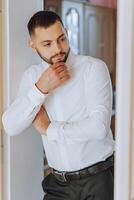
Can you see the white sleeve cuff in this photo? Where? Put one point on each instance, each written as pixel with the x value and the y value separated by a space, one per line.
pixel 36 96
pixel 53 130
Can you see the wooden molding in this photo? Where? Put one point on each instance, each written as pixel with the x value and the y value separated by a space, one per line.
pixel 53 5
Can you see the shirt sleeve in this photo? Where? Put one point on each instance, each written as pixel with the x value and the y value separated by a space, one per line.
pixel 96 124
pixel 20 114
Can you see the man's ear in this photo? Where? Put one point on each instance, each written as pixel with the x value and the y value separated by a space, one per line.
pixel 31 44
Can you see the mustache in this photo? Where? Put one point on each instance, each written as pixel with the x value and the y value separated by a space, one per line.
pixel 59 54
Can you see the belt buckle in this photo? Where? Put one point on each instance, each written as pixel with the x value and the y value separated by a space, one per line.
pixel 64 176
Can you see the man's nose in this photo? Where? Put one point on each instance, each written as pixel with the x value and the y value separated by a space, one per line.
pixel 57 48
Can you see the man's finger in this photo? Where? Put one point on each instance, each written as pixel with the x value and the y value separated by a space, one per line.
pixel 56 65
pixel 64 78
pixel 61 69
pixel 63 73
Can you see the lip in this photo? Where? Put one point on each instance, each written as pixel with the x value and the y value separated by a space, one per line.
pixel 59 56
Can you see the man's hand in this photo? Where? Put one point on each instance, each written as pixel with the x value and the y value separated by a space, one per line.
pixel 54 76
pixel 41 121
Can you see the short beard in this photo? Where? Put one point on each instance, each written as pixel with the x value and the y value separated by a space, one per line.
pixel 49 61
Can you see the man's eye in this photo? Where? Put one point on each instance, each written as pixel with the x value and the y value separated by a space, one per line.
pixel 46 45
pixel 62 39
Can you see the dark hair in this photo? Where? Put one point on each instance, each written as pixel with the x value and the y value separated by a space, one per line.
pixel 42 19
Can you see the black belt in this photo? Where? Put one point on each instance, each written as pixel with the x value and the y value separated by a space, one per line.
pixel 88 171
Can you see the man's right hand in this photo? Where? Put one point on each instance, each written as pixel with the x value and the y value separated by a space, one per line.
pixel 53 77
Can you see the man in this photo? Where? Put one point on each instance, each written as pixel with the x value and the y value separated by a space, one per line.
pixel 68 99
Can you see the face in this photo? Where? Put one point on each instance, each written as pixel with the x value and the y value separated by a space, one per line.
pixel 51 44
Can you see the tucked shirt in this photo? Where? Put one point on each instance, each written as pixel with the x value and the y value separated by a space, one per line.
pixel 79 134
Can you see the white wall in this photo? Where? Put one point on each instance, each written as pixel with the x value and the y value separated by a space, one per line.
pixel 23 154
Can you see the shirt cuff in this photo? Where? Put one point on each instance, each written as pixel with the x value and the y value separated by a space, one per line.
pixel 36 96
pixel 53 130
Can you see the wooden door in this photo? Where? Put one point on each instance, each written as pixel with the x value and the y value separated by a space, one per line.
pixel 53 5
pixel 100 34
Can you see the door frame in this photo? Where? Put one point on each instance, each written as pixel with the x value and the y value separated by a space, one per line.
pixel 123 132
pixel 1 134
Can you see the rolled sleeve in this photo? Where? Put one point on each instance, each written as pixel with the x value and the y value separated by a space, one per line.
pixel 26 105
pixel 36 96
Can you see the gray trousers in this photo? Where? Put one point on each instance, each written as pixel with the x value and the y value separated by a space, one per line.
pixel 95 187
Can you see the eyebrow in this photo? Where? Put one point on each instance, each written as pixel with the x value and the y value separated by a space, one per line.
pixel 51 40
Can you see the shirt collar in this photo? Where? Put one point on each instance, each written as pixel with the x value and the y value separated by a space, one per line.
pixel 69 61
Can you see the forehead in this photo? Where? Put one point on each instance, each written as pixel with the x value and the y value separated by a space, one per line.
pixel 50 33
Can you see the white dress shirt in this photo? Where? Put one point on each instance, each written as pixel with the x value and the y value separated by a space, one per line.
pixel 79 134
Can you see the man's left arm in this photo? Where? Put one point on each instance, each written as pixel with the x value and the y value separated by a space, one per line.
pixel 98 91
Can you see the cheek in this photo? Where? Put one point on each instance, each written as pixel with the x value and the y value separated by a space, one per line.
pixel 46 52
pixel 66 45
